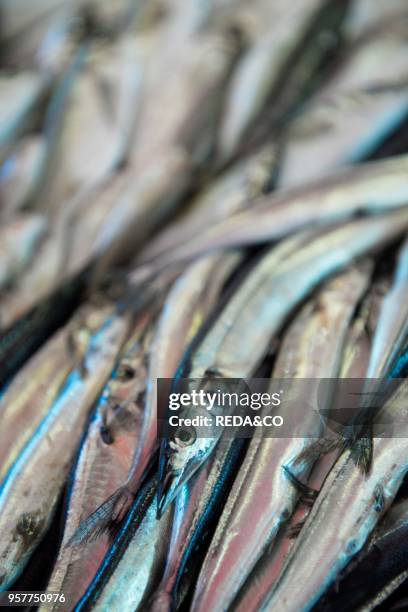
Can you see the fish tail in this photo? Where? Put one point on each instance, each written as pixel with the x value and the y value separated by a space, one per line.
pixel 106 519
pixel 362 453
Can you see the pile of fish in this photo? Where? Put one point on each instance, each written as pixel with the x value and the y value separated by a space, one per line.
pixel 201 189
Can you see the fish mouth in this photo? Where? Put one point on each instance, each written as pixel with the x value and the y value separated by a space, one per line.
pixel 168 487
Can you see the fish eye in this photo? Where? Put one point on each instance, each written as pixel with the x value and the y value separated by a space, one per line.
pixel 185 436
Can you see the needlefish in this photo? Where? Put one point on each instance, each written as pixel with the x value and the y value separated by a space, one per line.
pixel 371 188
pixel 352 498
pixel 197 509
pixel 343 516
pixel 103 462
pixel 354 365
pixel 241 336
pixel 263 496
pixel 35 387
pixel 29 494
pixel 187 304
pixel 379 570
pixel 135 560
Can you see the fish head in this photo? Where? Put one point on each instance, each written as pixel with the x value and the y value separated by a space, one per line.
pixel 181 455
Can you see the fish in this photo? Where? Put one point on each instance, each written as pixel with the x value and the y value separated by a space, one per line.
pixel 36 286
pixel 380 568
pixel 354 363
pixel 187 304
pixel 370 188
pixel 29 494
pixel 102 463
pixel 178 460
pixel 19 240
pixel 197 508
pixel 263 497
pixel 265 74
pixel 15 20
pixel 135 559
pixel 392 326
pixel 32 392
pixel 232 191
pixel 241 338
pixel 19 341
pixel 93 97
pixel 359 91
pixel 389 345
pixel 346 511
pixel 192 112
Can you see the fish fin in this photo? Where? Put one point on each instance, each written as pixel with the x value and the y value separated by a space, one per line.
pixel 320 447
pixel 308 494
pixel 105 519
pixel 362 453
pixel 379 498
pixel 295 529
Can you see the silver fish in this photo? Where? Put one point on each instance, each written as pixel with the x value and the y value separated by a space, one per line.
pixel 260 69
pixel 196 506
pixel 32 392
pixel 135 560
pixel 373 187
pixel 354 364
pixel 188 303
pixel 102 465
pixel 233 191
pixel 361 91
pixel 364 15
pixel 263 498
pixel 29 494
pixel 20 95
pixel 241 337
pixel 344 514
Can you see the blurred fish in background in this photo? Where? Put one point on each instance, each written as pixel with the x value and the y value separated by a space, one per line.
pixel 210 190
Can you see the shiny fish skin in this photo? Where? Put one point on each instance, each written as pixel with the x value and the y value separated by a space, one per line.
pixel 354 365
pixel 370 188
pixel 102 465
pixel 342 549
pixel 389 345
pixel 347 501
pixel 260 70
pixel 188 303
pixel 31 394
pixel 179 462
pixel 20 95
pixel 263 498
pixel 365 15
pixel 227 194
pixel 92 99
pixel 383 566
pixel 18 342
pixel 196 506
pixel 243 340
pixel 392 326
pixel 29 494
pixel 360 91
pixel 135 560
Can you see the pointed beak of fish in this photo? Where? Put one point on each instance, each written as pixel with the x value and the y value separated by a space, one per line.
pixel 168 487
